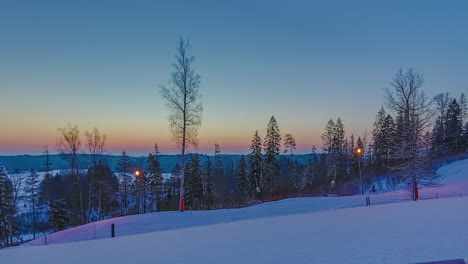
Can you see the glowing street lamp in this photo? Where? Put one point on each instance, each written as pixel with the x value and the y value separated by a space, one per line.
pixel 359 153
pixel 137 173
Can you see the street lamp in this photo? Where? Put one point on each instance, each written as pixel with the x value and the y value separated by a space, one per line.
pixel 359 153
pixel 137 173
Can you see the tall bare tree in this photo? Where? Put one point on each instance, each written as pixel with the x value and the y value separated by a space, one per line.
pixel 409 102
pixel 95 142
pixel 69 144
pixel 183 100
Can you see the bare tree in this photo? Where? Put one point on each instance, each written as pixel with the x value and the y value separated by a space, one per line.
pixel 409 102
pixel 32 190
pixel 183 100
pixel 17 182
pixel 442 102
pixel 69 144
pixel 95 142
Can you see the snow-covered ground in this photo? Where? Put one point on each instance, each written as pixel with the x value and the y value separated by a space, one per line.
pixel 393 233
pixel 302 230
pixel 455 182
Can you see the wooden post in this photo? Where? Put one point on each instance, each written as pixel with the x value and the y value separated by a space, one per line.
pixel 112 230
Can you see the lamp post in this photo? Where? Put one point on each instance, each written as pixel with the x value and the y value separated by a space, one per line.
pixel 359 153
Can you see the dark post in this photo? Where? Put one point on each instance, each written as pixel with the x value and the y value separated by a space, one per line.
pixel 113 230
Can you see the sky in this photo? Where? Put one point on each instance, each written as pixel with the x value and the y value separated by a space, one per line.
pixel 101 64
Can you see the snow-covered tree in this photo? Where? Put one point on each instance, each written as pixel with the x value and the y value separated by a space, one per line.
pixel 8 222
pixel 412 107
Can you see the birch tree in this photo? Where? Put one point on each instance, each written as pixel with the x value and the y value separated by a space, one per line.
pixel 183 101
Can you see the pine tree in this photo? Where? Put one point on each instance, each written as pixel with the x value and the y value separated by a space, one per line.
pixel 338 149
pixel 454 127
pixel 463 108
pixel 242 179
pixel 310 170
pixel 256 161
pixel 296 177
pixel 8 223
pixel 272 145
pixel 58 215
pixel 124 167
pixel 289 144
pixel 193 184
pixel 383 139
pixel 155 179
pixel 103 190
pixel 327 137
pixel 140 192
pixel 208 187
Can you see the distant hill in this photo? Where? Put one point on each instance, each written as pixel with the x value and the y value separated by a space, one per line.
pixel 168 162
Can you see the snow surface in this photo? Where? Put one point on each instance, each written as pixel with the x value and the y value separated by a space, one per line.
pixel 143 223
pixel 393 233
pixel 301 230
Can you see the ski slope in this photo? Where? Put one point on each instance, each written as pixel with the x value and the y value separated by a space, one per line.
pixel 454 183
pixel 430 228
pixel 406 232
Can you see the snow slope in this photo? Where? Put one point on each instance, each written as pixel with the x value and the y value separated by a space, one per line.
pixel 455 180
pixel 406 232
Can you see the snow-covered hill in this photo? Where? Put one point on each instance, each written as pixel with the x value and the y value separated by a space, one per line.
pixel 393 233
pixel 454 183
pixel 317 231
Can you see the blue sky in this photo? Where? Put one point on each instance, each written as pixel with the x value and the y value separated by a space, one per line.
pixel 100 63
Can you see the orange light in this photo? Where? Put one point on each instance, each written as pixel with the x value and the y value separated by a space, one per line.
pixel 137 173
pixel 358 150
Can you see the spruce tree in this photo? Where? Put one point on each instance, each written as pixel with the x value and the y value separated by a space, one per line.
pixel 208 187
pixel 58 215
pixel 338 149
pixel 453 127
pixel 8 223
pixel 193 184
pixel 242 179
pixel 296 177
pixel 310 170
pixel 219 179
pixel 155 179
pixel 463 108
pixel 383 139
pixel 256 161
pixel 272 145
pixel 124 167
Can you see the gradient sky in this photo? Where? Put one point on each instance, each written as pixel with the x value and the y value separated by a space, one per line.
pixel 100 63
